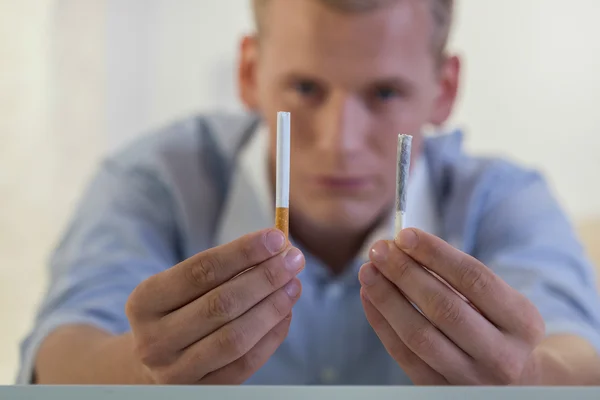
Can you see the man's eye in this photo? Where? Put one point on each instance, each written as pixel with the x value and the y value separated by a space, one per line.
pixel 385 93
pixel 306 88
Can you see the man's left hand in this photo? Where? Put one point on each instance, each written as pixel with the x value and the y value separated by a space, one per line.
pixel 473 328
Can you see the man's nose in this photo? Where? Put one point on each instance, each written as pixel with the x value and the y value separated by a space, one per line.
pixel 344 124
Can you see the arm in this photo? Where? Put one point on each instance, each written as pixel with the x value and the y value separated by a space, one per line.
pixel 123 310
pixel 122 233
pixel 83 354
pixel 523 311
pixel 527 240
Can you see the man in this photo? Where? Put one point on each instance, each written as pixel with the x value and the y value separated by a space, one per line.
pixel 147 284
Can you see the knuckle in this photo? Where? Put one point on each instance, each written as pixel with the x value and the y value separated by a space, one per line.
pixel 420 340
pixel 382 295
pixel 150 350
pixel 281 305
pixel 134 304
pixel 221 305
pixel 534 327
pixel 249 361
pixel 281 330
pixel 446 309
pixel 204 271
pixel 508 372
pixel 506 364
pixel 396 348
pixel 273 276
pixel 247 251
pixel 437 254
pixel 473 279
pixel 137 303
pixel 376 320
pixel 404 268
pixel 233 341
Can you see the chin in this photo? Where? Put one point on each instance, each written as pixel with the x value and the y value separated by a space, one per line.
pixel 350 216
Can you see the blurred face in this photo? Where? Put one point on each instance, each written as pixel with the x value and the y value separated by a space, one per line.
pixel 352 82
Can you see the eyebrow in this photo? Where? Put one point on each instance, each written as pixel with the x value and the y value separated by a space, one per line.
pixel 403 85
pixel 298 76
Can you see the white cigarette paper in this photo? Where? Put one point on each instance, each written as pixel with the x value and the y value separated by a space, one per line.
pixel 282 196
pixel 402 172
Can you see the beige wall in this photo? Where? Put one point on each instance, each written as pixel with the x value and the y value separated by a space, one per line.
pixel 55 86
pixel 23 118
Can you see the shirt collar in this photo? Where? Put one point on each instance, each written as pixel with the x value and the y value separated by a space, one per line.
pixel 248 207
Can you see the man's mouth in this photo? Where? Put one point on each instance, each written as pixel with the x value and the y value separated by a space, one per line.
pixel 345 183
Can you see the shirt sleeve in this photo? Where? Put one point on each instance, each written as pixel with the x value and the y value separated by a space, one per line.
pixel 123 231
pixel 527 239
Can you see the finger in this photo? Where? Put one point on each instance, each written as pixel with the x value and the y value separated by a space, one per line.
pixel 467 328
pixel 203 272
pixel 235 339
pixel 227 302
pixel 416 369
pixel 419 335
pixel 488 292
pixel 243 368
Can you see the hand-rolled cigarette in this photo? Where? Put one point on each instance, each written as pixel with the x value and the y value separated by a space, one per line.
pixel 402 172
pixel 282 196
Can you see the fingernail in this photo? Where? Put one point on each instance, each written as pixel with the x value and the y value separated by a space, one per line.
pixel 294 259
pixel 275 241
pixel 407 239
pixel 368 274
pixel 292 288
pixel 379 251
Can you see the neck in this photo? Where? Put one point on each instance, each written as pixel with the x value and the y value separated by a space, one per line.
pixel 336 248
pixel 333 247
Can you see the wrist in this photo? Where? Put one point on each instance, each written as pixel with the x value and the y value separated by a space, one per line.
pixel 132 371
pixel 139 374
pixel 84 355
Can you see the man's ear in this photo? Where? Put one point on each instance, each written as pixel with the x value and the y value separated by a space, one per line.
pixel 449 79
pixel 247 72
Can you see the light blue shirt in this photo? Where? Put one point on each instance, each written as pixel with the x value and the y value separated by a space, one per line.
pixel 182 190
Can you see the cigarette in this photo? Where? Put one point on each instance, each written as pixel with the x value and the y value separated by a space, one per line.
pixel 282 195
pixel 402 171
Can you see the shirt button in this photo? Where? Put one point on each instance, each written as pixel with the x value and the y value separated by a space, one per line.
pixel 328 375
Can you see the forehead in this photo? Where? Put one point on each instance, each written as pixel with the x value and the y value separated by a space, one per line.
pixel 381 41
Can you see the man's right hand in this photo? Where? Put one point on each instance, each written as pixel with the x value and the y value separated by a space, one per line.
pixel 200 323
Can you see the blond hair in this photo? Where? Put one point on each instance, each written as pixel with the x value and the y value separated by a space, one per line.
pixel 441 11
